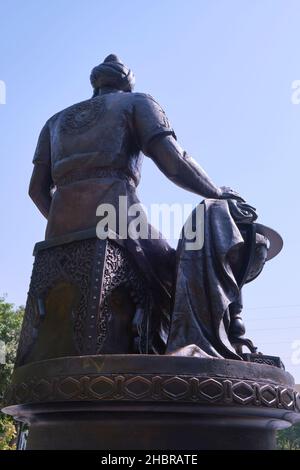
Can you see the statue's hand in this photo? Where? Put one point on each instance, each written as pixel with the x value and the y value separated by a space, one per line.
pixel 229 193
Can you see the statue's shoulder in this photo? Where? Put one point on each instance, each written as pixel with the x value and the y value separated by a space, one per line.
pixel 130 101
pixel 145 103
pixel 72 107
pixel 53 118
pixel 143 97
pixel 69 112
pixel 129 97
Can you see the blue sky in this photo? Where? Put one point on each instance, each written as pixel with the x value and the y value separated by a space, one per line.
pixel 222 70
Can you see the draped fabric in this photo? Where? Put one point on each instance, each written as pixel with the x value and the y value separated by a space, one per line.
pixel 205 282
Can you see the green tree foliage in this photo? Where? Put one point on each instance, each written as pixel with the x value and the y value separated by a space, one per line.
pixel 289 439
pixel 10 326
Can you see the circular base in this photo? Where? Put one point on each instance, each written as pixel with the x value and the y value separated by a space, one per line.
pixel 152 402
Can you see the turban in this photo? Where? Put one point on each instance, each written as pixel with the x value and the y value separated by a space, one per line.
pixel 112 73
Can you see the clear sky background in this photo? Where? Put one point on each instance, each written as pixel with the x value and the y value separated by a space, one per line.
pixel 223 71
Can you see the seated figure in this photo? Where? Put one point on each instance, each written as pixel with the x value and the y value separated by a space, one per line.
pixel 94 296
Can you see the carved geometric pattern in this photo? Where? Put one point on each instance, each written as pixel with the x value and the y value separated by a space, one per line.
pixel 287 398
pixel 95 267
pixel 211 389
pixel 175 388
pixel 138 387
pixel 268 395
pixel 70 263
pixel 243 392
pixel 81 117
pixel 153 388
pixel 118 270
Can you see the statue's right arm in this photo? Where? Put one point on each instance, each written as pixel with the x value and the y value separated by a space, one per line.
pixel 180 168
pixel 157 140
pixel 41 180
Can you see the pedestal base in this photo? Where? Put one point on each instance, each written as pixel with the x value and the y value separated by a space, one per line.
pixel 152 402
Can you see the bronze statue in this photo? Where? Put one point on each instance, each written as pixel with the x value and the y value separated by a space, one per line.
pixel 91 154
pixel 112 319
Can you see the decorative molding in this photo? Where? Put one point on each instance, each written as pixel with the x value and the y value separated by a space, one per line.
pixel 154 388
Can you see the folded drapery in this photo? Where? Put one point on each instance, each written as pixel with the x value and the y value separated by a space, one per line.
pixel 205 280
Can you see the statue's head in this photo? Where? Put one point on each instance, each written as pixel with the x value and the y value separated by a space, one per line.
pixel 112 73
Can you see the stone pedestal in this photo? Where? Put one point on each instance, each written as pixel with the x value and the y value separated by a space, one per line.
pixel 152 402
